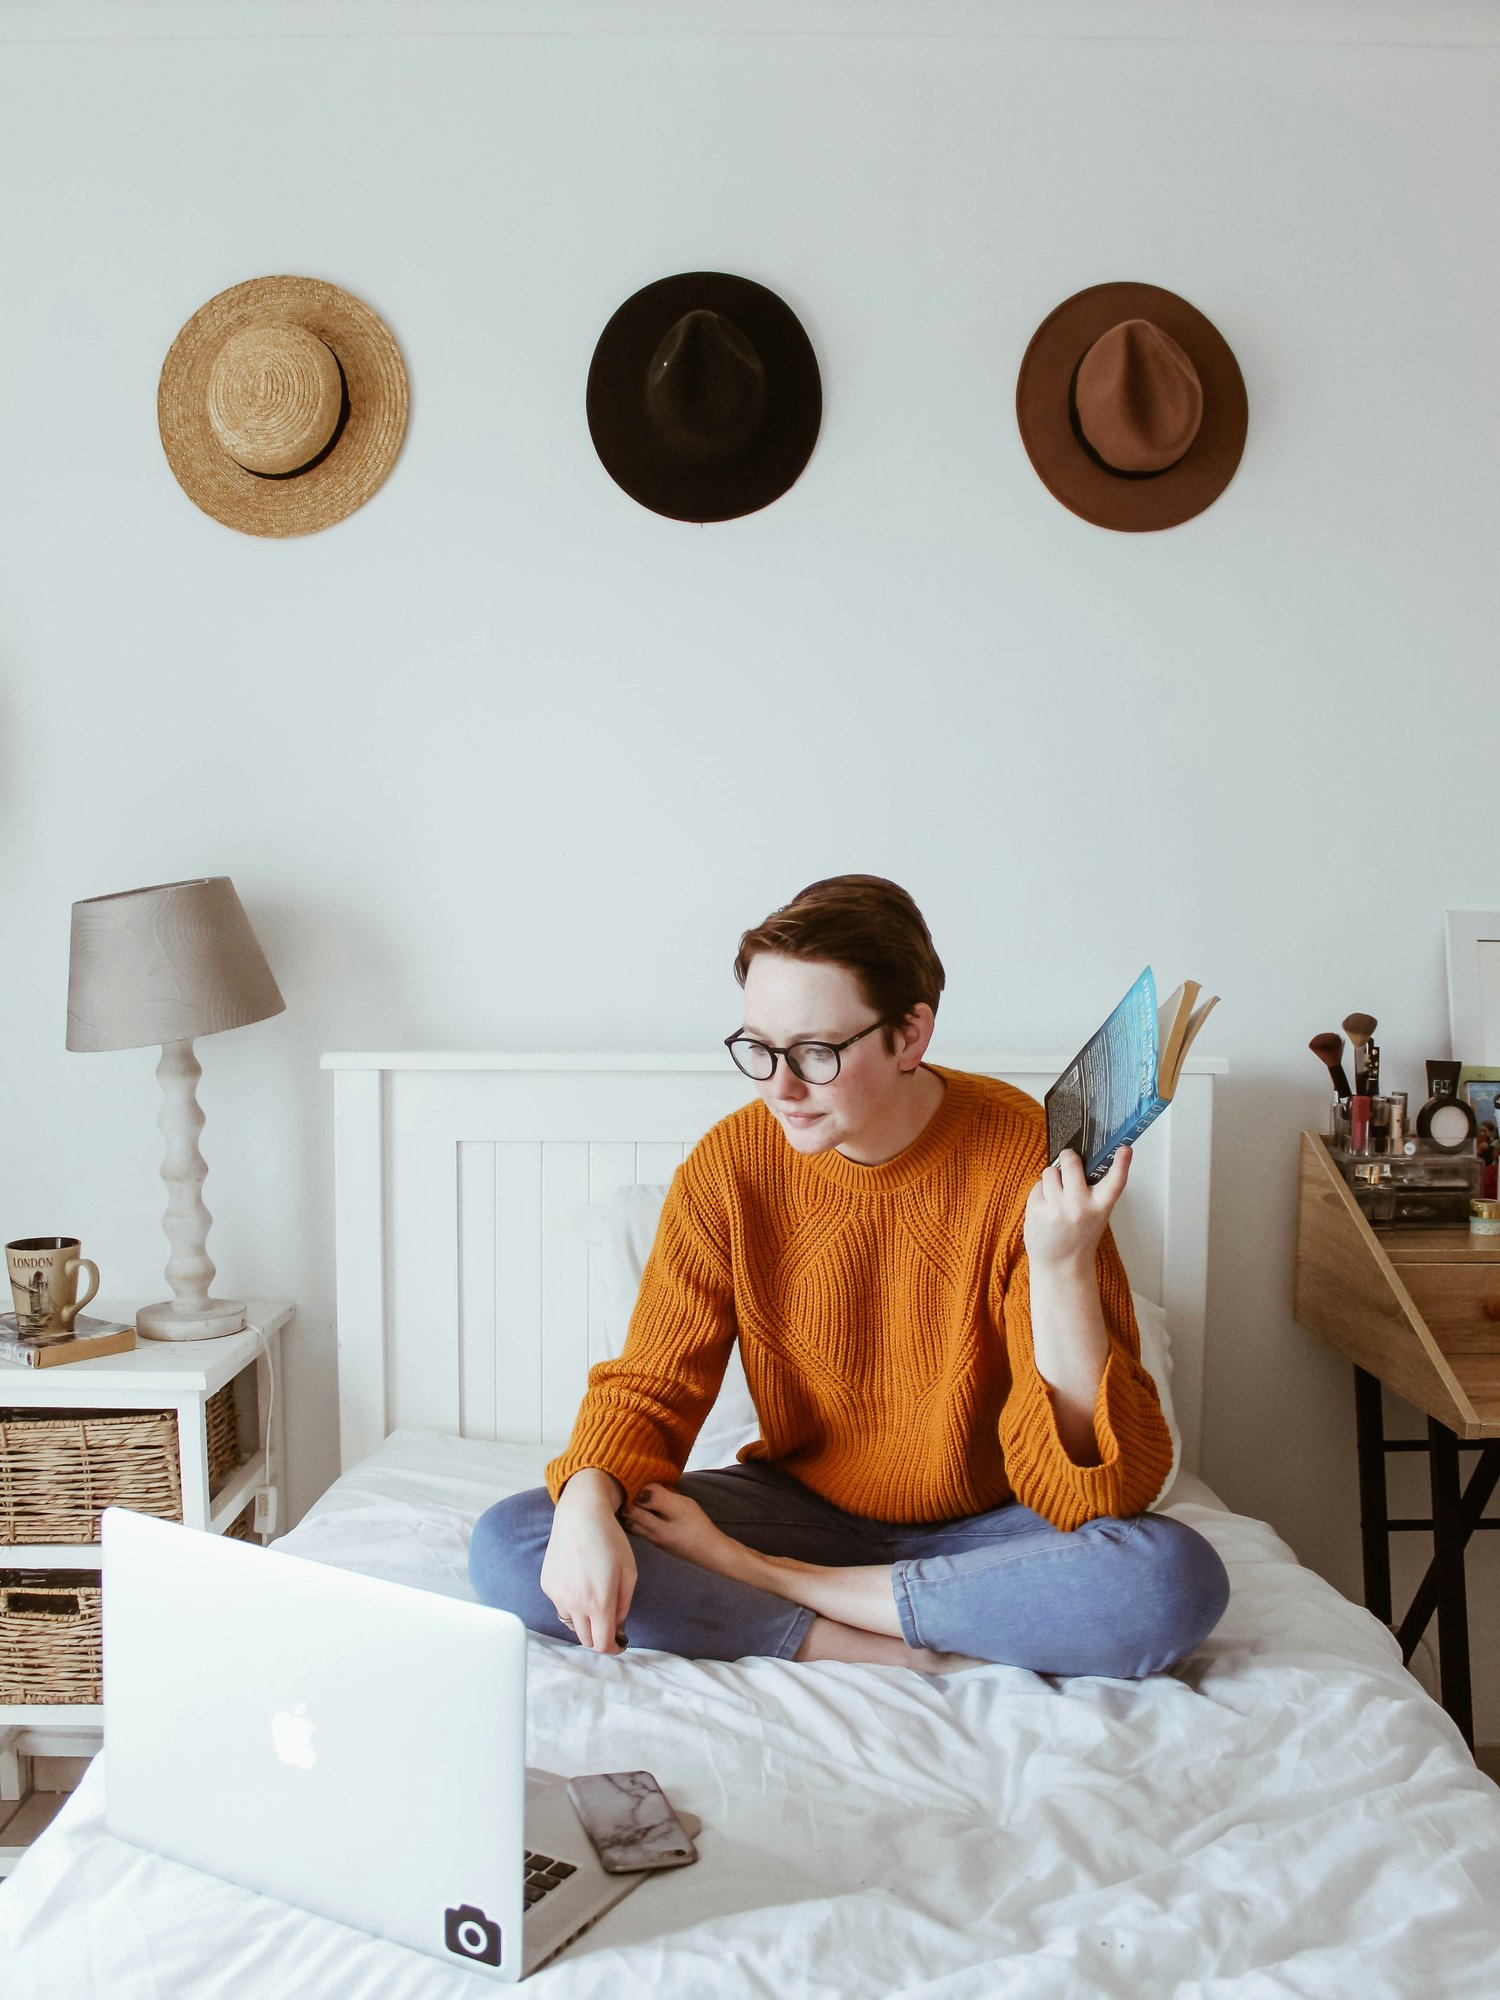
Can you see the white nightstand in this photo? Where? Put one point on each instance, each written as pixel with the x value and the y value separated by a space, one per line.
pixel 177 1375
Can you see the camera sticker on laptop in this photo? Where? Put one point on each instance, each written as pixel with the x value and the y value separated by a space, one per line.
pixel 469 1933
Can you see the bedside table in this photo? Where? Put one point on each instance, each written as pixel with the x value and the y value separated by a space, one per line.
pixel 177 1375
pixel 1418 1309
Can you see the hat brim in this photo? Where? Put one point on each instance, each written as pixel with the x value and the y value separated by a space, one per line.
pixel 634 455
pixel 1045 415
pixel 364 449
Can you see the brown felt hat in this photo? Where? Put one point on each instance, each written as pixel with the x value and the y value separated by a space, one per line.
pixel 704 397
pixel 282 405
pixel 1131 406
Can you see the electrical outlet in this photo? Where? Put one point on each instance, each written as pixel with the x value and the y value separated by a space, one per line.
pixel 265 1510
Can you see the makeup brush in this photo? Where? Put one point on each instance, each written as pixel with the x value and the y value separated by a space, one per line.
pixel 1359 1028
pixel 1328 1049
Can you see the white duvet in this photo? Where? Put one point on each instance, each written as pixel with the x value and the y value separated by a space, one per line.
pixel 1286 1813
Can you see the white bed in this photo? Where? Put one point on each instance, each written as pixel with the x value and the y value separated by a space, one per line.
pixel 1286 1813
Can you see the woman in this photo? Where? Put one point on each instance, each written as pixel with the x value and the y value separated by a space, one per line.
pixel 958 1443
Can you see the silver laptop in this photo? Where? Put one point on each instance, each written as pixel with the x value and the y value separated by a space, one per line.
pixel 353 1746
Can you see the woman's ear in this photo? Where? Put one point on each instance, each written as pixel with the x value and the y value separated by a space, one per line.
pixel 915 1032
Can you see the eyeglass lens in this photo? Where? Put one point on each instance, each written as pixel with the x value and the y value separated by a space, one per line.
pixel 813 1062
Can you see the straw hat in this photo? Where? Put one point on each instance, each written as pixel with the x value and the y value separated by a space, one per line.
pixel 704 397
pixel 282 404
pixel 1131 406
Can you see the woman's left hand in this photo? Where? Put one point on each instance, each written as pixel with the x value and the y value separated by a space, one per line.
pixel 1065 1217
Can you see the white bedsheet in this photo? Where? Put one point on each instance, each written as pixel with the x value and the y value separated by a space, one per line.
pixel 1287 1813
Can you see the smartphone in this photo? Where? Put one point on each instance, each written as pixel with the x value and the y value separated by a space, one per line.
pixel 626 1816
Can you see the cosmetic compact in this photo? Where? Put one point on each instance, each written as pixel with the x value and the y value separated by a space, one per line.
pixel 1446 1121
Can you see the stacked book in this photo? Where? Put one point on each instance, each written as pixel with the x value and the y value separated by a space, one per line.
pixel 89 1340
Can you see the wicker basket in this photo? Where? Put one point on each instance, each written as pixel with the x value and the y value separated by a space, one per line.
pixel 223 1437
pixel 60 1469
pixel 51 1636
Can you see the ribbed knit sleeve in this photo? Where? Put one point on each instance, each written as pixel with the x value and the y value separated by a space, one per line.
pixel 641 1412
pixel 1135 1447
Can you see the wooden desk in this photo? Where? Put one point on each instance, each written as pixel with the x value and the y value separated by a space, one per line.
pixel 1418 1309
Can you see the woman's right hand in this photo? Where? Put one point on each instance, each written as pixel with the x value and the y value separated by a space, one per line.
pixel 589 1569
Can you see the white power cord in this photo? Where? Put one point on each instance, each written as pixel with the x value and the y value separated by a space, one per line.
pixel 1433 1682
pixel 265 1493
pixel 1429 1682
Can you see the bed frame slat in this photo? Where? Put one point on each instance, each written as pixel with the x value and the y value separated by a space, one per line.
pixel 564 1358
pixel 477 1259
pixel 519 1211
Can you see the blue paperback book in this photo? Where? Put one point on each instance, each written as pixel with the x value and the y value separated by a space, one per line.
pixel 1124 1076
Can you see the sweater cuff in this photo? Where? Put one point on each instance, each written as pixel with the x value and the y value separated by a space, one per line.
pixel 1135 1447
pixel 613 1449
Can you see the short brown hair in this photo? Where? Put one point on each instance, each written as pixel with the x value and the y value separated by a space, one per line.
pixel 869 926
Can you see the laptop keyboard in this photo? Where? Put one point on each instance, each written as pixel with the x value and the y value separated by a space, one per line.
pixel 542 1874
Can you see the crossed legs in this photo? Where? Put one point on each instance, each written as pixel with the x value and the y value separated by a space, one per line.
pixel 857 1618
pixel 1122 1598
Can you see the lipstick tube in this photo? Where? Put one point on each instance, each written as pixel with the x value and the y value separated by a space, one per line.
pixel 1397 1102
pixel 1359 1122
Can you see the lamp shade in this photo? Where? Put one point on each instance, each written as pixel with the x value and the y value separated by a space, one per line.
pixel 165 964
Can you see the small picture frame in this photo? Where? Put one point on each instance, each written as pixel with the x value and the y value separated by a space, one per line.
pixel 1472 939
pixel 1482 1088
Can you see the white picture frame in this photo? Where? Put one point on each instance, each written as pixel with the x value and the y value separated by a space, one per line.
pixel 1472 939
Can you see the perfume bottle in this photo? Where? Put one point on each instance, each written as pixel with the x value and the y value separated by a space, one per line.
pixel 1446 1121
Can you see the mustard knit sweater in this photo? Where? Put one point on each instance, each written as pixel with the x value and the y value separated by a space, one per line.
pixel 884 1323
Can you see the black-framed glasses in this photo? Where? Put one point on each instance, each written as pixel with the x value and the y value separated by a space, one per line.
pixel 809 1062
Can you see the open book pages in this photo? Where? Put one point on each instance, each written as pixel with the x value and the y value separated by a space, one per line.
pixel 1125 1074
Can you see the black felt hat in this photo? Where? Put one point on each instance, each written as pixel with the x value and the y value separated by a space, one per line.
pixel 704 397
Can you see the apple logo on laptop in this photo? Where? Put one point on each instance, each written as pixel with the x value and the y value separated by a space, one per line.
pixel 291 1736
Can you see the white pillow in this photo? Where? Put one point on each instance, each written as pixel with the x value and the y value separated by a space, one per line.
pixel 1156 1359
pixel 620 1229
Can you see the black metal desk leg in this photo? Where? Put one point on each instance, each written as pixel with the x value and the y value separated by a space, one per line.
pixel 1448 1563
pixel 1369 1432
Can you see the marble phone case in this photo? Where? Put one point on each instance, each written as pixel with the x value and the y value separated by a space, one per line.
pixel 630 1822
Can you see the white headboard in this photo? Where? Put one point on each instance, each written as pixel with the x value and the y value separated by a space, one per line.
pixel 465 1303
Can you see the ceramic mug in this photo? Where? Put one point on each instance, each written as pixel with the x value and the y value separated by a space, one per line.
pixel 44 1282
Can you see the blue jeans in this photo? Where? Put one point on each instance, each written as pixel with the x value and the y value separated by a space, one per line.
pixel 1116 1597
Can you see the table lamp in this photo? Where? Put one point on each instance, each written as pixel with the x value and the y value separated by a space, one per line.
pixel 167 964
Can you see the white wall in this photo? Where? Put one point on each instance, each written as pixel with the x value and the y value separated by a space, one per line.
pixel 507 761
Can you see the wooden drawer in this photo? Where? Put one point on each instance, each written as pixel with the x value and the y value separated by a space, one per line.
pixel 1460 1303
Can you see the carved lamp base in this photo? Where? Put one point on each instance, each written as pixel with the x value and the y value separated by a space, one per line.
pixel 192 1314
pixel 168 1322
